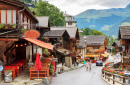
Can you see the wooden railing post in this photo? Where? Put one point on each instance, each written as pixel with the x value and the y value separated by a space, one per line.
pixel 105 74
pixel 123 80
pixel 113 79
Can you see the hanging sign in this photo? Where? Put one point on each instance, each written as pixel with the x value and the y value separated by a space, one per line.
pixel 32 34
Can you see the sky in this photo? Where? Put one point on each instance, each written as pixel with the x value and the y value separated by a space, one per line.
pixel 74 7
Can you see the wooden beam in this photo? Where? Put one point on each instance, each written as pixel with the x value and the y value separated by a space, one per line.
pixel 4 39
pixel 0 16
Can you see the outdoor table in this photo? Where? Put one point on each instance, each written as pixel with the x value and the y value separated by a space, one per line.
pixel 44 72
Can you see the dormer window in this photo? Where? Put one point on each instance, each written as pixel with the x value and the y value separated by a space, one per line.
pixel 70 18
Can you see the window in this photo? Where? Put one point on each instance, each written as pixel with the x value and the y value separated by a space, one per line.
pixel 70 18
pixel 95 47
pixel 69 23
pixel 14 16
pixel 3 16
pixel 8 16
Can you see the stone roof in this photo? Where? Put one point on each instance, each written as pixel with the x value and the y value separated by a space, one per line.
pixel 109 47
pixel 124 32
pixel 118 43
pixel 82 42
pixel 92 40
pixel 95 40
pixel 43 21
pixel 71 30
pixel 54 33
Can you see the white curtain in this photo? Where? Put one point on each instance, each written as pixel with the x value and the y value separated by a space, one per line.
pixel 3 16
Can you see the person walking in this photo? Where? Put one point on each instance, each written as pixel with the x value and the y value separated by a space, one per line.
pixel 84 63
pixel 77 62
pixel 90 65
pixel 87 65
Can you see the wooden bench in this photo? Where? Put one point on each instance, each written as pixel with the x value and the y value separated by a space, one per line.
pixel 21 66
pixel 11 69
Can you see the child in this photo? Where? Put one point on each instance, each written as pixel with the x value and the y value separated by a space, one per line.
pixel 87 65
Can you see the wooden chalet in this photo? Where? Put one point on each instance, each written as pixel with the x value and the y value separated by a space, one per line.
pixel 82 46
pixel 117 46
pixel 95 47
pixel 108 48
pixel 124 36
pixel 71 44
pixel 16 50
pixel 59 39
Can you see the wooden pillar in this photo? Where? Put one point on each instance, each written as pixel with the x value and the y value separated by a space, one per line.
pixel 32 54
pixel 123 80
pixel 122 66
pixel 113 79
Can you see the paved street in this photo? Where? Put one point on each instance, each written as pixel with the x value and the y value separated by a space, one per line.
pixel 81 76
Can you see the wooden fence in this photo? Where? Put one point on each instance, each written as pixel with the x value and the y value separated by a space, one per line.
pixel 115 78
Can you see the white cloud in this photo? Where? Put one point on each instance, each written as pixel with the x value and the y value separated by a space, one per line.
pixel 126 24
pixel 105 27
pixel 74 7
pixel 93 25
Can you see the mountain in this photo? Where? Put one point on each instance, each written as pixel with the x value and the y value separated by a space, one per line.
pixel 114 29
pixel 103 20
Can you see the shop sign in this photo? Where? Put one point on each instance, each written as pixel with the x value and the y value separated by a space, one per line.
pixel 55 59
pixel 32 34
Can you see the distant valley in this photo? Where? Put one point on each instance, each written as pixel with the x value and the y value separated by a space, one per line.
pixel 106 20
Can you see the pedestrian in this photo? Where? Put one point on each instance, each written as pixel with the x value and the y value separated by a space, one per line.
pixel 77 62
pixel 87 65
pixel 90 65
pixel 84 62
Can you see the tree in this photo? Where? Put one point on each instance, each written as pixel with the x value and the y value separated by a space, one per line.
pixel 113 50
pixel 110 40
pixel 86 31
pixel 43 8
pixel 96 32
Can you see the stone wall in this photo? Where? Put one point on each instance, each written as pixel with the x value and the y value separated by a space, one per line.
pixel 68 61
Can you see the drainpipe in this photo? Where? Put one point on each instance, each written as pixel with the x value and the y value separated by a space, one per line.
pixel 18 20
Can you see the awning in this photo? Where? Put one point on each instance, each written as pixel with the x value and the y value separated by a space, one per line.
pixel 91 55
pixel 39 43
pixel 104 55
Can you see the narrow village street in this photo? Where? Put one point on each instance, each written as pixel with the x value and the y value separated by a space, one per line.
pixel 81 76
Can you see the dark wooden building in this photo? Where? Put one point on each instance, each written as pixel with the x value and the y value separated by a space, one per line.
pixel 124 36
pixel 71 44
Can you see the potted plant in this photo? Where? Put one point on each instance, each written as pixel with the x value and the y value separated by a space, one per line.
pixel 46 52
pixel 14 26
pixel 112 71
pixel 121 73
pixel 23 30
pixel 1 26
pixel 51 69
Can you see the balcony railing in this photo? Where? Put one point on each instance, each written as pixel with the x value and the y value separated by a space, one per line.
pixel 8 26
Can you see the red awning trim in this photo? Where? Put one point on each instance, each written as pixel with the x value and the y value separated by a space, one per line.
pixel 40 43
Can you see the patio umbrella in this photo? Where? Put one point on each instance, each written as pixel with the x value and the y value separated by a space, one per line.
pixel 38 64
